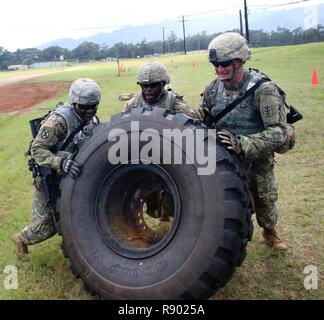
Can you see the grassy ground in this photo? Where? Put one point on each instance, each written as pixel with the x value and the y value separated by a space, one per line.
pixel 265 274
pixel 29 72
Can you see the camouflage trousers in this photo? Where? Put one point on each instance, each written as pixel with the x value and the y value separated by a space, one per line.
pixel 265 192
pixel 42 225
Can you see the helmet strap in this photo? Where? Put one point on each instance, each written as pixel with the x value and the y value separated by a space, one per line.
pixel 162 91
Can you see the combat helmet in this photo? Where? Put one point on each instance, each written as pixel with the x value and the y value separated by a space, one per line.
pixel 229 46
pixel 152 72
pixel 84 91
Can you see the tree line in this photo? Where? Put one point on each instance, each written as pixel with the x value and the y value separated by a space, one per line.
pixel 200 41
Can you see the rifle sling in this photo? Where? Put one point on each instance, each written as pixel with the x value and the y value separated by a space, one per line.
pixel 237 101
pixel 71 136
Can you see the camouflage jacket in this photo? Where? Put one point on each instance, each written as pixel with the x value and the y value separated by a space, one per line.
pixel 169 101
pixel 267 109
pixel 51 135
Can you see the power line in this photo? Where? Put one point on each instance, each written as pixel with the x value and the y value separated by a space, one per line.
pixel 253 7
pixel 263 7
pixel 270 6
pixel 213 11
pixel 155 21
pixel 277 5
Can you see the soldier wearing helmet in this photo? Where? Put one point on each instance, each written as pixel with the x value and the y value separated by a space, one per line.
pixel 153 77
pixel 57 141
pixel 254 129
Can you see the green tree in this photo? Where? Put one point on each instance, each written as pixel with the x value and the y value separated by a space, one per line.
pixel 87 50
pixel 6 58
pixel 172 42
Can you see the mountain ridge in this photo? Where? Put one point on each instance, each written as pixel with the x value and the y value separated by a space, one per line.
pixel 290 19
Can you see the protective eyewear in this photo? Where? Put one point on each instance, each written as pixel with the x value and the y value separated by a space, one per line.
pixel 88 107
pixel 151 85
pixel 224 64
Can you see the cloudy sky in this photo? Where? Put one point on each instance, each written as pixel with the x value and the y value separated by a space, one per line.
pixel 30 23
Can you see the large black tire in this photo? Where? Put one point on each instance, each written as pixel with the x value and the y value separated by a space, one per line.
pixel 105 241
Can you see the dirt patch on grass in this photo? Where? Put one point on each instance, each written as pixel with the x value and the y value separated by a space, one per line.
pixel 22 96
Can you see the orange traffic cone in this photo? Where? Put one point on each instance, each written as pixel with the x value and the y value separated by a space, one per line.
pixel 193 64
pixel 315 78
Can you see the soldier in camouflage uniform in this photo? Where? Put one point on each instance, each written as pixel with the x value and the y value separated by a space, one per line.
pixel 153 77
pixel 254 129
pixel 57 141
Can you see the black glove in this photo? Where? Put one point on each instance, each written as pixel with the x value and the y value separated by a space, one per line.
pixel 70 167
pixel 230 140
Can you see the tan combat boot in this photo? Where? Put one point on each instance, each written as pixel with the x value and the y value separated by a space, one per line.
pixel 273 240
pixel 21 248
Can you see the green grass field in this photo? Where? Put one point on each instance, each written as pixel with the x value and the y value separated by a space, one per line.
pixel 29 72
pixel 265 274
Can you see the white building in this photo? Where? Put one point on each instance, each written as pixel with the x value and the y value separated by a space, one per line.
pixel 18 67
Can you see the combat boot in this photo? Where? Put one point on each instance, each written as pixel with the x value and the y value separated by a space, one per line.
pixel 21 248
pixel 273 240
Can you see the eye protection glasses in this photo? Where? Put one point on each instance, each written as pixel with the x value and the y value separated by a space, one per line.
pixel 151 85
pixel 85 107
pixel 224 64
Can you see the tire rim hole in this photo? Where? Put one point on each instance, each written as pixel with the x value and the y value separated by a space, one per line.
pixel 138 210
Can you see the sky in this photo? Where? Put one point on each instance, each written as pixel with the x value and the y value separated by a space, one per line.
pixel 26 24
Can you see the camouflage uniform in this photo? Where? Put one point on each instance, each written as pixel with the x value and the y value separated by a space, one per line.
pixel 158 204
pixel 51 136
pixel 153 72
pixel 168 100
pixel 51 147
pixel 259 122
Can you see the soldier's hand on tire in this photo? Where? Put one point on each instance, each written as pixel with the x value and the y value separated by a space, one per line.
pixel 71 167
pixel 230 140
pixel 200 112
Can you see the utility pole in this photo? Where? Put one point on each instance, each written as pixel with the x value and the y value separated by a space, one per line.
pixel 247 34
pixel 163 41
pixel 241 23
pixel 117 59
pixel 198 35
pixel 184 34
